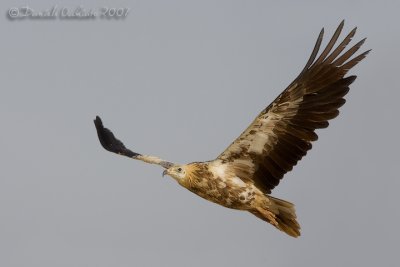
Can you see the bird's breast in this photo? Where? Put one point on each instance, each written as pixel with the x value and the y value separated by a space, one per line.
pixel 230 192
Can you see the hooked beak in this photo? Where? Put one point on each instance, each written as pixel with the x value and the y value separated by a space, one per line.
pixel 165 173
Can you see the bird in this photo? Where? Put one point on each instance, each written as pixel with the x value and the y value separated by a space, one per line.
pixel 243 176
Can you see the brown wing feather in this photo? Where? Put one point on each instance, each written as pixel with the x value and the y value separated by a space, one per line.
pixel 282 133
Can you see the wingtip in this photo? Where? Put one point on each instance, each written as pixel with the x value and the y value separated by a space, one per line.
pixel 341 25
pixel 350 79
pixel 360 43
pixel 98 123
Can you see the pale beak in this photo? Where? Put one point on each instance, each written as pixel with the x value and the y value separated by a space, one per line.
pixel 165 173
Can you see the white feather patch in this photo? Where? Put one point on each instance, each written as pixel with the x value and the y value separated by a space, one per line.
pixel 258 143
pixel 238 182
pixel 218 169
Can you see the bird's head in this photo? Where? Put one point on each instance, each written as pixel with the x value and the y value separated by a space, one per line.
pixel 178 172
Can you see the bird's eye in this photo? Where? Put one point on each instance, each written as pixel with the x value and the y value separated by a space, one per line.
pixel 179 169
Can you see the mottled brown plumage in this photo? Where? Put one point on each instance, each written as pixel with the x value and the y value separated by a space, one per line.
pixel 243 176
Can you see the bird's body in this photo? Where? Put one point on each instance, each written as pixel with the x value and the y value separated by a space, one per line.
pixel 215 182
pixel 222 184
pixel 243 176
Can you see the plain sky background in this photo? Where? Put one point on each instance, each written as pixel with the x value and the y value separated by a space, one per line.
pixel 181 80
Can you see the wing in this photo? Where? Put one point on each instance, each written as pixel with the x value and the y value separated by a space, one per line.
pixel 282 133
pixel 112 144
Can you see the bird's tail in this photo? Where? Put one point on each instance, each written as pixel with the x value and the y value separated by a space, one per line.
pixel 281 214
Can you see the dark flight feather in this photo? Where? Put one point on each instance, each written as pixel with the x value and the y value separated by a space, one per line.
pixel 110 142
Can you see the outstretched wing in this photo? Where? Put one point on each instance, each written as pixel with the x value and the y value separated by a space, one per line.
pixel 112 144
pixel 282 133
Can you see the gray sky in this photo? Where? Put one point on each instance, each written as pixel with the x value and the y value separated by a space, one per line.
pixel 180 80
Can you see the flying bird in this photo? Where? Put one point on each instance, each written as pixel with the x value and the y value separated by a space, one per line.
pixel 243 176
